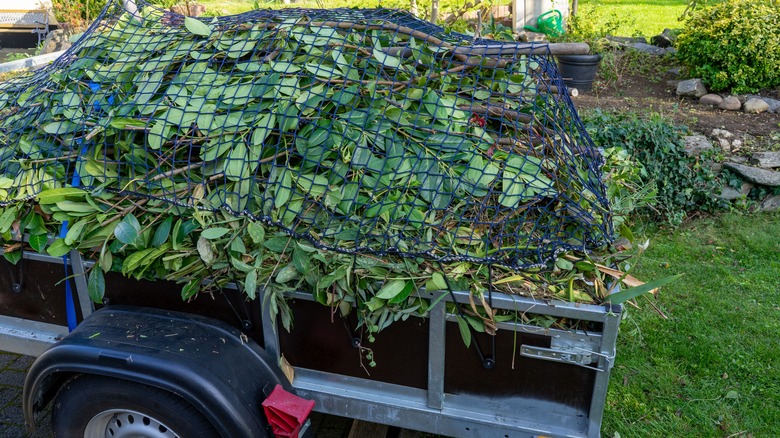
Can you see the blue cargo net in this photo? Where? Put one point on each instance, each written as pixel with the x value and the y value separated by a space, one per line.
pixel 362 131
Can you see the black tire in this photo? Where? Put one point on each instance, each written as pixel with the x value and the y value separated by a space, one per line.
pixel 87 406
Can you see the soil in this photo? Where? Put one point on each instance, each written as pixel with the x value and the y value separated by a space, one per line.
pixel 639 94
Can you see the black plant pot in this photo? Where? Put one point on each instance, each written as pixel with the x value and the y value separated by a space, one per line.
pixel 579 71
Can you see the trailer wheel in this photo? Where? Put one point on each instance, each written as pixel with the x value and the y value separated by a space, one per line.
pixel 100 407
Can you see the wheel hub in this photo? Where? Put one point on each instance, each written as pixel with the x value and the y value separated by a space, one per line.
pixel 122 423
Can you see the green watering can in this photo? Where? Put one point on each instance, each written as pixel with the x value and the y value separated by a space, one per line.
pixel 550 23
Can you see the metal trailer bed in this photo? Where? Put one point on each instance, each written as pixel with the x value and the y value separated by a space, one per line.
pixel 542 382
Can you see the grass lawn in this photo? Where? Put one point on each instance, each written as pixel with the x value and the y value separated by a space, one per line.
pixel 712 368
pixel 633 17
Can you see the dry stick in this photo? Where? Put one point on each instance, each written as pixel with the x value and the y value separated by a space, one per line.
pixel 126 211
pixel 177 171
pixel 498 112
pixel 271 56
pixel 510 114
pixel 353 47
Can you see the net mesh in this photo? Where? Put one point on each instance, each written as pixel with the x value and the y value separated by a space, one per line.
pixel 363 131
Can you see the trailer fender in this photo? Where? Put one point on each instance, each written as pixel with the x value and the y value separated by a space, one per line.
pixel 212 366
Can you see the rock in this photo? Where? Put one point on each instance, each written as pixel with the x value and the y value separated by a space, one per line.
pixel 691 88
pixel 765 159
pixel 736 159
pixel 674 71
pixel 771 203
pixel 647 48
pixel 746 188
pixel 725 139
pixel 755 106
pixel 729 194
pixel 711 99
pixel 713 166
pixel 756 175
pixel 694 145
pixel 774 104
pixel 666 38
pixel 730 103
pixel 627 40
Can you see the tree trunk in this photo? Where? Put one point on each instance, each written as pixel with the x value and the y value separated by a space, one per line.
pixel 434 11
pixel 574 4
pixel 413 7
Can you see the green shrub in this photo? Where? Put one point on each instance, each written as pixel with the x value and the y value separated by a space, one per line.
pixel 734 44
pixel 682 184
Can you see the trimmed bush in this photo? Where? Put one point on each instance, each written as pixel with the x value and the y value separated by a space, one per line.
pixel 734 44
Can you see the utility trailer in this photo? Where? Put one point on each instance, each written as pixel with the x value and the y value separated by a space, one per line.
pixel 219 357
pixel 145 363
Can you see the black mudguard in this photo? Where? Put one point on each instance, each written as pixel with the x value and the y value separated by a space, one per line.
pixel 211 365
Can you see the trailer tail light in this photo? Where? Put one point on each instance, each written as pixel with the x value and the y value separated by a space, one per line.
pixel 286 412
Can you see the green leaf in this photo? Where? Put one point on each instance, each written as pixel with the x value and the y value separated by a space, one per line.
pixel 287 274
pixel 58 248
pixel 127 231
pixel 631 293
pixel 53 196
pixel 38 242
pixel 190 289
pixel 564 264
pixel 250 284
pixel 375 303
pixel 162 232
pixel 465 332
pixel 61 127
pixel 124 122
pixel 75 232
pixel 13 256
pixel 312 185
pixel 106 260
pixel 256 232
pixel 237 245
pixel 391 289
pixel 158 135
pixel 277 244
pixel 147 87
pixel 137 261
pixel 96 285
pixel 263 128
pixel 205 251
pixel 404 294
pixel 385 59
pixel 197 27
pixel 283 190
pixel 318 137
pixel 301 260
pixel 439 281
pixel 214 233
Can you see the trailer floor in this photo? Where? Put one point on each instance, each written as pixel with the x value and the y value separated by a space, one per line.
pixel 13 368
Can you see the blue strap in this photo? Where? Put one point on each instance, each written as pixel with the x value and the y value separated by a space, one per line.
pixel 70 304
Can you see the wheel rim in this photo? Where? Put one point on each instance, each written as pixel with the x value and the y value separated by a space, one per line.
pixel 123 423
